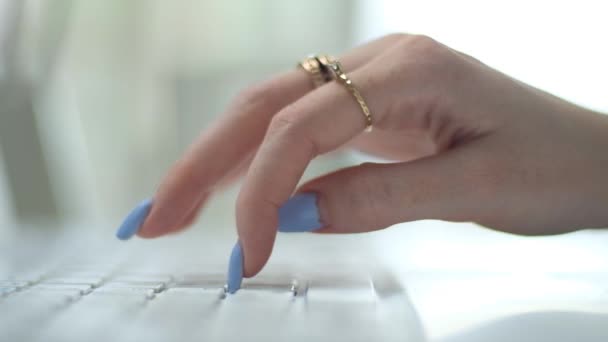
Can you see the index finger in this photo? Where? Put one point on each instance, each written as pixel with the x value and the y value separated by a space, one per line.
pixel 233 137
pixel 317 123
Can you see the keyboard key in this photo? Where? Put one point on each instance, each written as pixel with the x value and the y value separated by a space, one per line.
pixel 73 290
pixel 19 284
pixel 141 278
pixel 200 280
pixel 74 279
pixel 6 290
pixel 155 287
pixel 31 308
pixel 98 316
pixel 175 315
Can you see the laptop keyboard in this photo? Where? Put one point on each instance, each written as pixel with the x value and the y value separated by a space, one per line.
pixel 159 296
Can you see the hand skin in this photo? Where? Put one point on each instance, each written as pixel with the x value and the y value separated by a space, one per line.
pixel 469 144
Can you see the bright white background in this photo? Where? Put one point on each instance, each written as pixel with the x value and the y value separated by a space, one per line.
pixel 559 46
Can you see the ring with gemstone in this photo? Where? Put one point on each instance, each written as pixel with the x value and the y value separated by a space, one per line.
pixel 333 65
pixel 314 66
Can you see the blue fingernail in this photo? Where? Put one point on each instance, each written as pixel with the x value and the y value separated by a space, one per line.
pixel 235 269
pixel 134 220
pixel 300 214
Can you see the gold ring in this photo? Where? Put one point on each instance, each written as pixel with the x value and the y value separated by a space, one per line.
pixel 335 67
pixel 315 66
pixel 312 66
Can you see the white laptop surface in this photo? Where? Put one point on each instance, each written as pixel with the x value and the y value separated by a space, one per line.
pixel 94 288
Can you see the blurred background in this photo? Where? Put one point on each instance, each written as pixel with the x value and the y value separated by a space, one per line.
pixel 99 97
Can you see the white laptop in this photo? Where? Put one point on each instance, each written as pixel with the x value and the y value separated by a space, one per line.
pixel 94 288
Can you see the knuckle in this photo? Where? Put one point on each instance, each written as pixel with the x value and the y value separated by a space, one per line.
pixel 282 123
pixel 424 41
pixel 397 36
pixel 427 61
pixel 421 48
pixel 286 127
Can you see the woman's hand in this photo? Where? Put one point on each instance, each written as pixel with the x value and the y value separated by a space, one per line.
pixel 470 144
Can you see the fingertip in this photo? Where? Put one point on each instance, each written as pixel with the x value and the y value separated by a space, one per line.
pixel 149 233
pixel 133 222
pixel 253 264
pixel 324 230
pixel 257 223
pixel 235 269
pixel 150 229
pixel 164 219
pixel 255 255
pixel 191 217
pixel 155 225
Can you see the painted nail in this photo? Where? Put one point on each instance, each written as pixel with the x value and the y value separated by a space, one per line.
pixel 299 214
pixel 235 269
pixel 134 220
